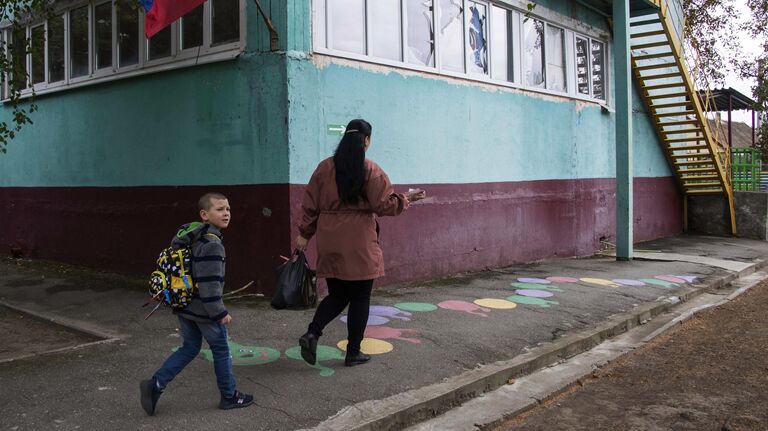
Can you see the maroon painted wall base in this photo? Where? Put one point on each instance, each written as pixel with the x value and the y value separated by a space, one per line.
pixel 460 227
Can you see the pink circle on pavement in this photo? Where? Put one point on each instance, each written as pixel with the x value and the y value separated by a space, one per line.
pixel 628 282
pixel 534 293
pixel 671 279
pixel 533 280
pixel 563 279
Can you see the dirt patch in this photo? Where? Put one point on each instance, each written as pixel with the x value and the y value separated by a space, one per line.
pixel 32 335
pixel 709 373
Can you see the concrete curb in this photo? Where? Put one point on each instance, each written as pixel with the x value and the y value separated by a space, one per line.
pixel 79 327
pixel 402 410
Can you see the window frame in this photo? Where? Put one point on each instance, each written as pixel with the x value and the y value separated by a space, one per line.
pixel 178 58
pixel 515 16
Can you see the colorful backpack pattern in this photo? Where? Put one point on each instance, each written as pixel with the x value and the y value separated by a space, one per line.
pixel 171 283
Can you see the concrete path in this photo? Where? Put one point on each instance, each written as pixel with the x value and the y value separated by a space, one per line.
pixel 436 344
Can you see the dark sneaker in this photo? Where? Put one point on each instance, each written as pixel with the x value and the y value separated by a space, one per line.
pixel 149 395
pixel 308 343
pixel 237 400
pixel 356 359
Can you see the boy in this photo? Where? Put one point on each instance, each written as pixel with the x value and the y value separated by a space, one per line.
pixel 206 316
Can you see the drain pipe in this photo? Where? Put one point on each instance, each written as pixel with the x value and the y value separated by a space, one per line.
pixel 274 42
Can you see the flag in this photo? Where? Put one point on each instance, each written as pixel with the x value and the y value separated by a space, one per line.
pixel 161 13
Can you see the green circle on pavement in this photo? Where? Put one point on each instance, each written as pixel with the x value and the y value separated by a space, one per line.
pixel 416 306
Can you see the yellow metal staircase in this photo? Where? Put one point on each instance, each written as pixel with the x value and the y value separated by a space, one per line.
pixel 668 89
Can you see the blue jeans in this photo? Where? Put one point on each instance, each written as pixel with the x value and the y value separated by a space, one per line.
pixel 193 333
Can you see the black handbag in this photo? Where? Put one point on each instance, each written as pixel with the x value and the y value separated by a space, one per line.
pixel 296 284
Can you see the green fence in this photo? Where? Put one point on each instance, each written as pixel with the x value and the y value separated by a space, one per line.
pixel 746 169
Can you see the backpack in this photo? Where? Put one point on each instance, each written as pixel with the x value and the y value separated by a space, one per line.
pixel 171 283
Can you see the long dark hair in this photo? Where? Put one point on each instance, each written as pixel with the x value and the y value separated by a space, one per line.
pixel 349 160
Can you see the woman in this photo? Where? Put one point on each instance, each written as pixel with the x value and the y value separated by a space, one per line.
pixel 340 205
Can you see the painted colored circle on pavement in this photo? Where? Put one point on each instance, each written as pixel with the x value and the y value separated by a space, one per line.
pixel 599 282
pixel 498 304
pixel 660 283
pixel 563 279
pixel 688 278
pixel 416 306
pixel 324 353
pixel 533 286
pixel 533 280
pixel 535 293
pixel 529 300
pixel 373 320
pixel 671 279
pixel 369 346
pixel 628 282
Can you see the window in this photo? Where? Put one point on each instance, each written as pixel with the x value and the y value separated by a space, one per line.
pixel 598 74
pixel 477 38
pixel 99 40
pixel 192 29
pixel 452 35
pixel 103 33
pixel 590 61
pixel 582 66
pixel 38 54
pixel 555 69
pixel 386 29
pixel 502 43
pixel 226 21
pixel 348 18
pixel 420 43
pixel 127 35
pixel 533 53
pixel 56 62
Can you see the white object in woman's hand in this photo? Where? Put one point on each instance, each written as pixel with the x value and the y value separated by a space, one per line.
pixel 416 194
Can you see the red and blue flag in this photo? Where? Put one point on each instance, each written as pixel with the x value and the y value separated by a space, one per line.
pixel 161 13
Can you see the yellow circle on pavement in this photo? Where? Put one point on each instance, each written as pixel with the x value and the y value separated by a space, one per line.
pixel 369 346
pixel 498 304
pixel 599 282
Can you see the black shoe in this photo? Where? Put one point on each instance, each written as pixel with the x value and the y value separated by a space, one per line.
pixel 149 395
pixel 236 401
pixel 308 343
pixel 356 359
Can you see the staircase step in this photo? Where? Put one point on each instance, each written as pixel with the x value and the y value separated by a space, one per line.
pixel 707 184
pixel 681 131
pixel 667 95
pixel 656 66
pixel 700 177
pixel 697 170
pixel 695 163
pixel 675 114
pixel 647 33
pixel 669 105
pixel 661 76
pixel 654 20
pixel 676 123
pixel 650 44
pixel 685 147
pixel 704 192
pixel 689 155
pixel 656 87
pixel 652 56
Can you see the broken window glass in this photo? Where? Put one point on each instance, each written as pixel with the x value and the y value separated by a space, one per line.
pixel 582 66
pixel 598 72
pixel 452 35
pixel 533 53
pixel 477 37
pixel 555 58
pixel 386 30
pixel 347 22
pixel 420 33
pixel 501 44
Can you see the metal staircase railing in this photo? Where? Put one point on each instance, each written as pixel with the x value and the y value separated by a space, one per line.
pixel 679 115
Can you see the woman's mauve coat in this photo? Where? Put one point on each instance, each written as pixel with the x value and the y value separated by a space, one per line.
pixel 347 242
